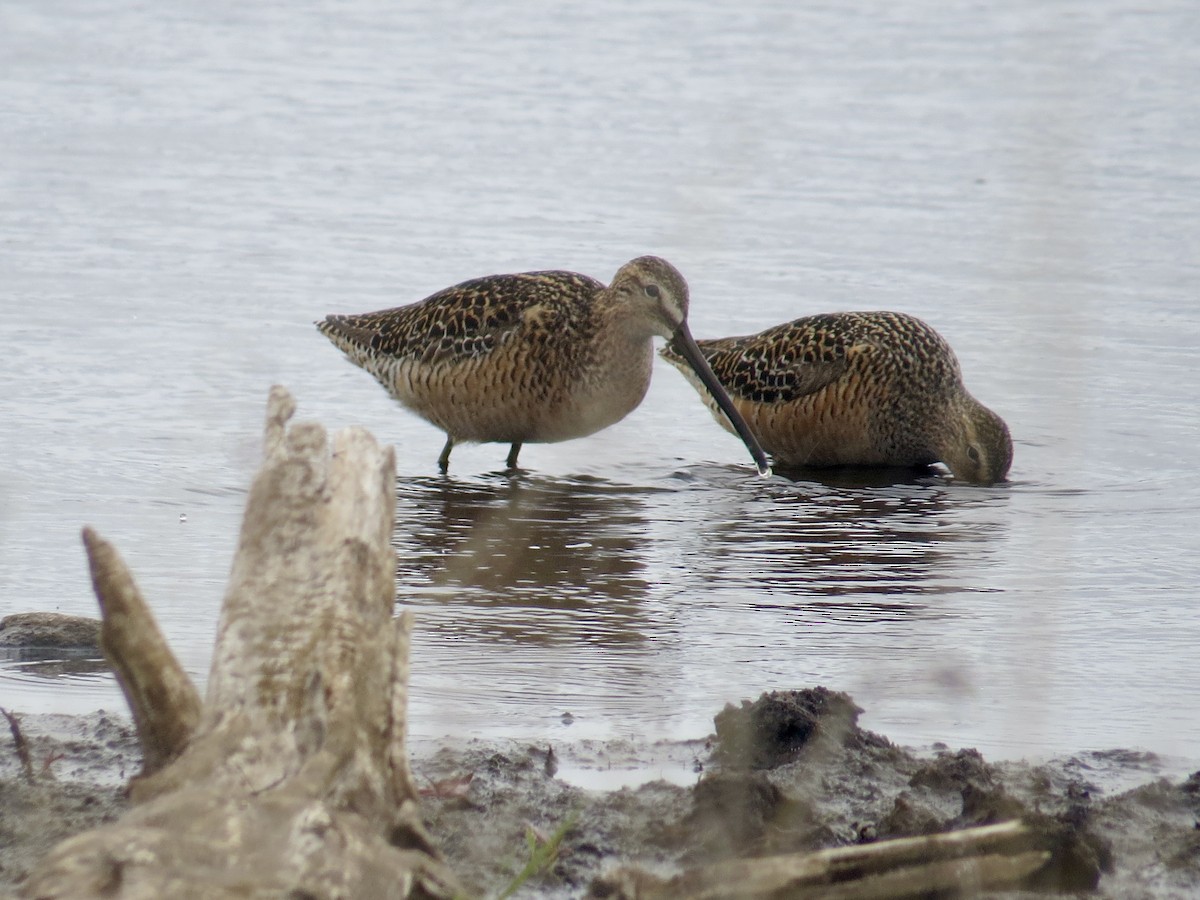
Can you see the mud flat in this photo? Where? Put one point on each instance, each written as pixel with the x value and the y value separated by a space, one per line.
pixel 790 772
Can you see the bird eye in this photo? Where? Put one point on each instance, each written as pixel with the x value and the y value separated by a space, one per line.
pixel 652 291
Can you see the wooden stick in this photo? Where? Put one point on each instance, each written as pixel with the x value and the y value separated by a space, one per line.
pixel 164 702
pixel 972 859
pixel 20 745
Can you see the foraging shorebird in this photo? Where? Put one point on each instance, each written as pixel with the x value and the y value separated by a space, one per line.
pixel 531 358
pixel 858 388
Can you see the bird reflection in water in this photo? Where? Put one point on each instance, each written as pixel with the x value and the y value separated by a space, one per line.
pixel 548 551
pixel 858 543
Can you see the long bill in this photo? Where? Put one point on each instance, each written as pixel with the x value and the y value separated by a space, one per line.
pixel 686 345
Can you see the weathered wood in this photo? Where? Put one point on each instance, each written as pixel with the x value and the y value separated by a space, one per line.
pixel 163 700
pixel 291 779
pixel 968 861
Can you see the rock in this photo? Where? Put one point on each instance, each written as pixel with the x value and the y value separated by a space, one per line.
pixel 49 630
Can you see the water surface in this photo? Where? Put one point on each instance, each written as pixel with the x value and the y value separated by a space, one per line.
pixel 183 190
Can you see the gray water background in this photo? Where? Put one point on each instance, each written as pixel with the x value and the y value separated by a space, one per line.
pixel 184 188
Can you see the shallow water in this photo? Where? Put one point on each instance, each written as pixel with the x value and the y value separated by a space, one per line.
pixel 184 191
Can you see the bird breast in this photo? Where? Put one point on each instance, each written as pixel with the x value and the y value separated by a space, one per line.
pixel 610 385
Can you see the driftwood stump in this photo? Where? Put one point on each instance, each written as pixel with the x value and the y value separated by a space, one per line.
pixel 290 778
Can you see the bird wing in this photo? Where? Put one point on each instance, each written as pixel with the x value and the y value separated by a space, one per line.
pixel 782 363
pixel 465 321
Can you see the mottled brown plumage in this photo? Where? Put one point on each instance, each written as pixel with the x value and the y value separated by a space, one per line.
pixel 529 358
pixel 858 388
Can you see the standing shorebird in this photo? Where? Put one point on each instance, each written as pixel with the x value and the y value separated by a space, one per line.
pixel 858 388
pixel 531 358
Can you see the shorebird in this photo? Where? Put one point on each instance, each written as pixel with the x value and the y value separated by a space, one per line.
pixel 534 357
pixel 857 388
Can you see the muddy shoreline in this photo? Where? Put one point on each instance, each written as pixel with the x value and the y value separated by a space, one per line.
pixel 790 772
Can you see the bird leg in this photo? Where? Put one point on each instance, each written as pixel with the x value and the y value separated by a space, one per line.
pixel 444 458
pixel 511 462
